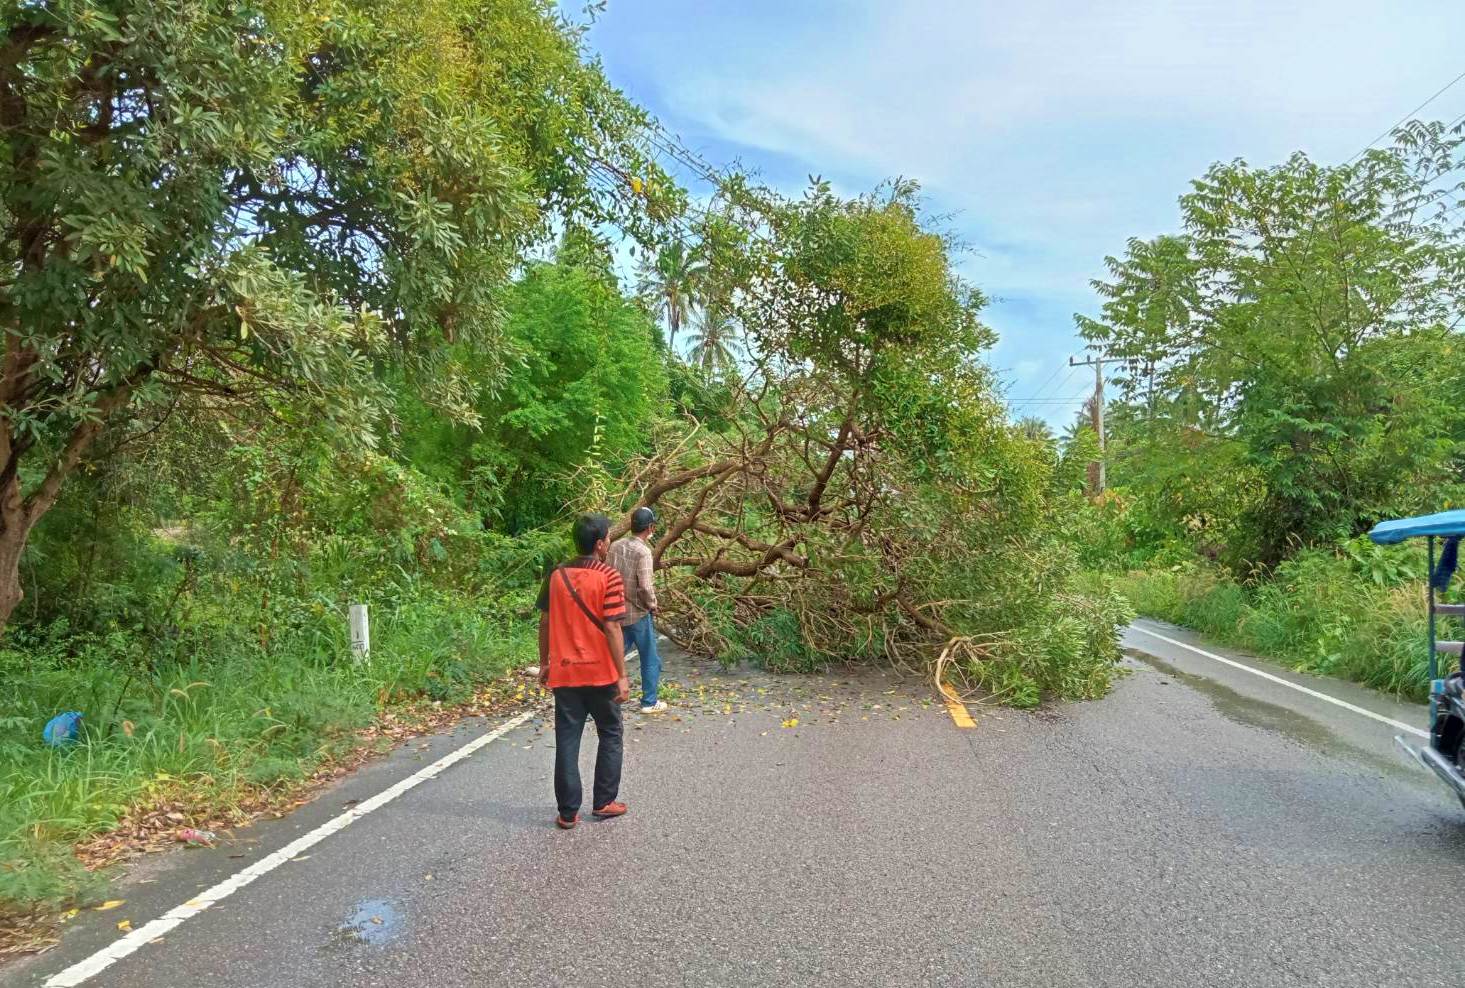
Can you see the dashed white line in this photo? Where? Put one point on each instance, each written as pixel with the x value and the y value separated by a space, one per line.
pixel 111 954
pixel 1284 682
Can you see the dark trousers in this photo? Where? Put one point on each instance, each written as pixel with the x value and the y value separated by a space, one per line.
pixel 572 705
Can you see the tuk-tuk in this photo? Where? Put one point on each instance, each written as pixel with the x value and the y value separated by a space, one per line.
pixel 1444 755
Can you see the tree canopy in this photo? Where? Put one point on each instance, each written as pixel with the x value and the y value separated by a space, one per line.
pixel 258 205
pixel 1301 332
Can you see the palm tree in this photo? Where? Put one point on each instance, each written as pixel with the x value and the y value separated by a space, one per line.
pixel 712 347
pixel 1034 428
pixel 675 283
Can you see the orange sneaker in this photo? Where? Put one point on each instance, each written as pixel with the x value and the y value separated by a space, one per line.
pixel 609 810
pixel 564 824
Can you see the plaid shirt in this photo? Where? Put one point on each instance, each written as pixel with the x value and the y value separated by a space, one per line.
pixel 631 557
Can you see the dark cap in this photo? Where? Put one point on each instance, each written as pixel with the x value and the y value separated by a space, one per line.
pixel 642 519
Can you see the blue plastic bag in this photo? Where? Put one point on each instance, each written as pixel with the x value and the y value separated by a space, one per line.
pixel 63 729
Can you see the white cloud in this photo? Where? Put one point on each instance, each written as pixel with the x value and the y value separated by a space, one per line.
pixel 1054 128
pixel 911 82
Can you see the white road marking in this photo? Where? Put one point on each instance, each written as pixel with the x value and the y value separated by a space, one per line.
pixel 1285 682
pixel 109 955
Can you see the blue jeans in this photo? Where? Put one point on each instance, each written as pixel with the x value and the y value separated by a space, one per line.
pixel 642 637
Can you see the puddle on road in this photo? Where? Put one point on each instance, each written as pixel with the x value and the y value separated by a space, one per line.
pixel 372 922
pixel 1242 709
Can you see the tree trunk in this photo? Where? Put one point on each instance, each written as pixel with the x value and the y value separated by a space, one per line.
pixel 19 511
pixel 14 529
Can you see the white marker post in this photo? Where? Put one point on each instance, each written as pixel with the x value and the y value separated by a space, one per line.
pixel 360 632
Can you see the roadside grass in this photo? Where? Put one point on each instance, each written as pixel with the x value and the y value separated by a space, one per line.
pixel 222 723
pixel 1322 612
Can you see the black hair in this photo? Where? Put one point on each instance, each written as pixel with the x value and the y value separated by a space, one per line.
pixel 590 529
pixel 642 519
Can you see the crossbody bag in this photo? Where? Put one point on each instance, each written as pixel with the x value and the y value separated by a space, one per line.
pixel 579 601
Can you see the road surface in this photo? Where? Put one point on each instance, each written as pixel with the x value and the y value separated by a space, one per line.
pixel 1201 826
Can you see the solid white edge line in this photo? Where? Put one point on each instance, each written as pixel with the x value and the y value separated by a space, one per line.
pixel 1285 682
pixel 111 954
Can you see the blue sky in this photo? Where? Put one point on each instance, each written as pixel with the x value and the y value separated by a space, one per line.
pixel 1051 130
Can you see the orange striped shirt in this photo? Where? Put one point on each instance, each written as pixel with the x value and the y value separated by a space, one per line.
pixel 578 652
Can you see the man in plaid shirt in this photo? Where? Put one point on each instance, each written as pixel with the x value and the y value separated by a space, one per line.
pixel 631 556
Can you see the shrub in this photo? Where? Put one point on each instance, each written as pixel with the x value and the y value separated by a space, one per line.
pixel 1349 612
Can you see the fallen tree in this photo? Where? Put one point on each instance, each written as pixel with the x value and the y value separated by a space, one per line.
pixel 863 496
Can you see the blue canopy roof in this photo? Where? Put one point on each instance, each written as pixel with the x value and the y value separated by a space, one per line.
pixel 1399 529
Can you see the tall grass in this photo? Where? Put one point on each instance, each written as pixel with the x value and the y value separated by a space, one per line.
pixel 1357 614
pixel 219 718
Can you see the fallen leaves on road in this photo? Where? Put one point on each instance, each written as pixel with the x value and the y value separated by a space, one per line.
pixel 125 926
pixel 30 933
pixel 110 904
pixel 792 701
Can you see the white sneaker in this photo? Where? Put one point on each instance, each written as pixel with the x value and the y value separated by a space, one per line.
pixel 659 707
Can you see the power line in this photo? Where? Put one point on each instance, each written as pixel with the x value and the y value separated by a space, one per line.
pixel 662 143
pixel 1044 391
pixel 1051 401
pixel 1408 116
pixel 1098 361
pixel 1043 388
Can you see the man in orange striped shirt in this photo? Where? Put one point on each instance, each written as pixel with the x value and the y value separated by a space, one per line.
pixel 582 660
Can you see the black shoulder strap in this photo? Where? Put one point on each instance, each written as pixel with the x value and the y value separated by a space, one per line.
pixel 584 609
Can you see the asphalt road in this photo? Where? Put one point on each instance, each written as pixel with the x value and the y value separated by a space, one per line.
pixel 1201 826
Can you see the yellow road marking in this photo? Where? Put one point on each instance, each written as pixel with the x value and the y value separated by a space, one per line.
pixel 960 716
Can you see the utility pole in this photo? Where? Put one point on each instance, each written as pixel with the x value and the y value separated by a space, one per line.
pixel 1097 363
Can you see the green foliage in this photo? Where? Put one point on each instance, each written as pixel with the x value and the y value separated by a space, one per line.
pixel 271 237
pixel 1299 332
pixel 714 345
pixel 1035 429
pixel 1068 649
pixel 277 342
pixel 776 641
pixel 275 207
pixel 1345 613
pixel 707 399
pixel 868 500
pixel 1079 451
pixel 1292 366
pixel 861 279
pixel 204 611
pixel 590 384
